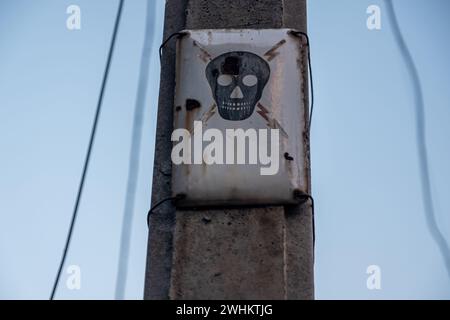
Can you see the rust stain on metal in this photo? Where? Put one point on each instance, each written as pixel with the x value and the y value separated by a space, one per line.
pixel 302 65
pixel 189 120
pixel 177 65
pixel 288 164
pixel 209 114
pixel 210 37
pixel 272 53
pixel 192 104
pixel 272 123
pixel 204 55
pixel 204 118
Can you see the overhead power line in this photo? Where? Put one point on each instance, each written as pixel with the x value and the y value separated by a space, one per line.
pixel 89 150
pixel 427 196
pixel 135 152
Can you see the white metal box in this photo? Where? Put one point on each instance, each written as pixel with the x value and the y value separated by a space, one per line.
pixel 227 80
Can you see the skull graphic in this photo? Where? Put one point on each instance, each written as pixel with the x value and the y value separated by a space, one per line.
pixel 237 80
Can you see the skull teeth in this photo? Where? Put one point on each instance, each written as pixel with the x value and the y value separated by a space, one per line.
pixel 232 107
pixel 235 105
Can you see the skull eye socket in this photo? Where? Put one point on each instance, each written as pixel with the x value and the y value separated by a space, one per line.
pixel 224 80
pixel 250 80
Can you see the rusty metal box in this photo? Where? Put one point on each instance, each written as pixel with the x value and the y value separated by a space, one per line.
pixel 240 118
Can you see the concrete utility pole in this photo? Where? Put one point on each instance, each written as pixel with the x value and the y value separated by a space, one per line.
pixel 225 253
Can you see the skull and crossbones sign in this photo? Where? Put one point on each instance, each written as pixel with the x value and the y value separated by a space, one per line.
pixel 237 80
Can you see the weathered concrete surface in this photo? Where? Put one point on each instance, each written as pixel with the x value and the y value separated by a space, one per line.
pixel 216 14
pixel 299 220
pixel 251 253
pixel 162 222
pixel 229 254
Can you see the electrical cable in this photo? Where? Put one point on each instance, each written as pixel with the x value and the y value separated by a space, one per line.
pixel 150 212
pixel 133 168
pixel 427 196
pixel 180 34
pixel 89 150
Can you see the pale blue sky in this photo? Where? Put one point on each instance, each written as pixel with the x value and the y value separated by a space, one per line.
pixel 364 159
pixel 49 83
pixel 365 169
